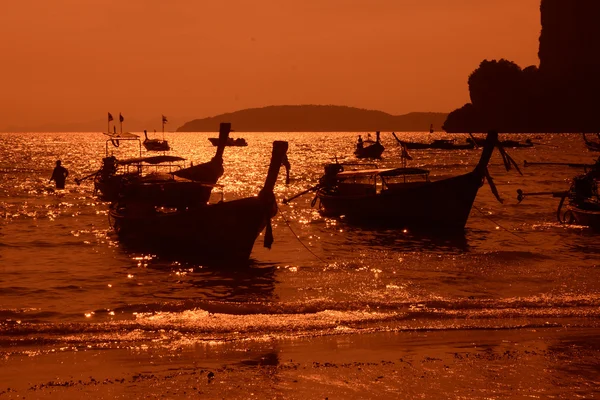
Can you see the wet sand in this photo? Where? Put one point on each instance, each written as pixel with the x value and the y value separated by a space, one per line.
pixel 451 364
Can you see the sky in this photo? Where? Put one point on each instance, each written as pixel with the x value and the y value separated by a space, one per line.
pixel 75 60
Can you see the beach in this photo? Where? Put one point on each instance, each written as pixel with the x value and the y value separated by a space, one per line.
pixel 507 309
pixel 559 363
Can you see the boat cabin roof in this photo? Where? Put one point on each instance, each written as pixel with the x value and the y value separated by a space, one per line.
pixel 150 160
pixel 383 172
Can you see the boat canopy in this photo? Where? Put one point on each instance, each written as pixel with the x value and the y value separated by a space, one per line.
pixel 122 135
pixel 150 160
pixel 383 172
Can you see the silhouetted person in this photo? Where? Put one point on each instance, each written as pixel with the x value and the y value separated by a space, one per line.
pixel 377 133
pixel 59 175
pixel 359 145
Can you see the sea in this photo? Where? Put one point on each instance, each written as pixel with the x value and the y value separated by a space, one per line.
pixel 66 282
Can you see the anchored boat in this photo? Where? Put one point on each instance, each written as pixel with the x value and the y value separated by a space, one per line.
pixel 402 197
pixel 221 232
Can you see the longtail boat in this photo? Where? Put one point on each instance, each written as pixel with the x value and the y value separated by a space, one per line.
pixel 211 171
pixel 218 232
pixel 438 144
pixel 114 175
pixel 402 197
pixel 155 144
pixel 230 142
pixel 373 150
pixel 505 143
pixel 582 199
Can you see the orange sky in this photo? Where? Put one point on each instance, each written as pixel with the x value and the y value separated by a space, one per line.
pixel 74 60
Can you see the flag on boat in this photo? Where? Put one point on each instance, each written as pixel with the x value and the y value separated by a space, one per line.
pixel 405 152
pixel 121 119
pixel 164 119
pixel 110 118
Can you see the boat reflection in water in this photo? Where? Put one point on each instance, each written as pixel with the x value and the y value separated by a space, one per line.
pixel 402 197
pixel 220 232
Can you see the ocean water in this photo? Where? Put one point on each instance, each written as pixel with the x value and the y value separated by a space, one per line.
pixel 66 282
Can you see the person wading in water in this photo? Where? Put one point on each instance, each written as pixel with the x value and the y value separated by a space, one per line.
pixel 59 175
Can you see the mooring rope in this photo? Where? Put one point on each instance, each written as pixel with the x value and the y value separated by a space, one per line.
pixel 500 226
pixel 299 240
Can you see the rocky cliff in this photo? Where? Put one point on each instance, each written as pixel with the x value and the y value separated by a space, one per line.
pixel 562 95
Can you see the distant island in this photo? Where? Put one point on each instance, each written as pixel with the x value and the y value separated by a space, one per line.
pixel 561 95
pixel 317 118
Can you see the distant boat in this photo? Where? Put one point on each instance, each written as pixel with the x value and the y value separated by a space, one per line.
pixel 373 150
pixel 230 142
pixel 438 144
pixel 504 143
pixel 157 144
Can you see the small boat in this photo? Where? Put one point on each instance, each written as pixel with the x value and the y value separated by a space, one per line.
pixel 582 198
pixel 586 216
pixel 230 142
pixel 155 144
pixel 220 232
pixel 373 150
pixel 591 145
pixel 402 197
pixel 505 143
pixel 583 207
pixel 438 144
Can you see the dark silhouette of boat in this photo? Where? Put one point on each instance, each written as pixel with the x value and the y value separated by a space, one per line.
pixel 582 199
pixel 373 150
pixel 591 145
pixel 439 144
pixel 116 174
pixel 220 232
pixel 504 143
pixel 155 144
pixel 402 197
pixel 212 170
pixel 136 173
pixel 230 142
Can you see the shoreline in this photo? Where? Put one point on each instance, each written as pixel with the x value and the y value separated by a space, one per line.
pixel 546 362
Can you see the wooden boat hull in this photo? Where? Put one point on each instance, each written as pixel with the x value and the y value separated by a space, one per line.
pixel 439 205
pixel 444 204
pixel 156 145
pixel 230 142
pixel 584 217
pixel 223 232
pixel 372 151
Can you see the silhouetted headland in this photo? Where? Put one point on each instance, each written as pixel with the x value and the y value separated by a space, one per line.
pixel 561 95
pixel 317 118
